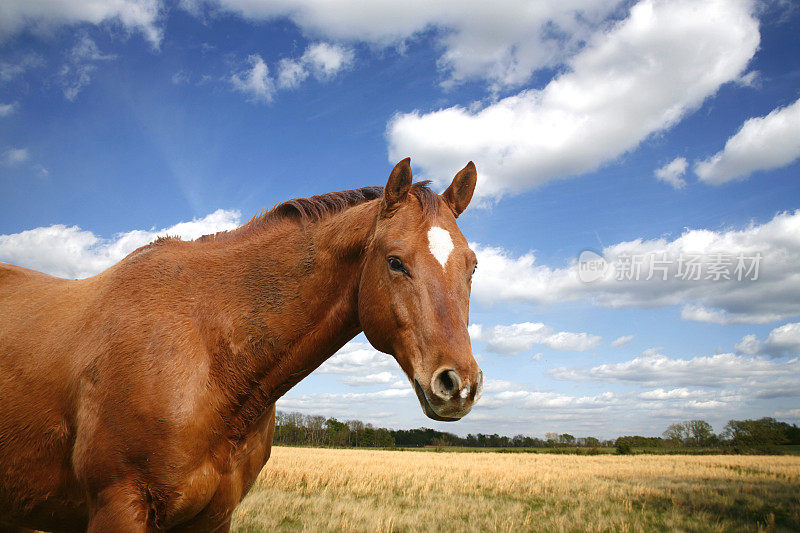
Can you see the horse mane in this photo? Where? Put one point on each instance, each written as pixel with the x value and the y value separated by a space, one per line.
pixel 318 207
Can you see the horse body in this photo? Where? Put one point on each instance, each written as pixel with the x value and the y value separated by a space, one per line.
pixel 144 397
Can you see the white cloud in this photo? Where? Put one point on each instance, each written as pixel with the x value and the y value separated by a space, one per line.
pixel 749 345
pixel 672 172
pixel 475 331
pixel 750 79
pixel 523 337
pixel 791 414
pixel 640 77
pixel 323 60
pixel 622 341
pixel 70 252
pixel 364 406
pixel 661 394
pixel 359 364
pixel 82 60
pixel 45 15
pixel 291 73
pixel 10 70
pixel 358 359
pixel 537 400
pixel 715 371
pixel 15 156
pixel 8 109
pixel 502 277
pixel 503 41
pixel 255 80
pixel 775 295
pixel 781 341
pixel 499 385
pixel 762 143
pixel 370 379
pixel 326 400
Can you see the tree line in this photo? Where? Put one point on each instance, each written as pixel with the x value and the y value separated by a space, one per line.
pixel 297 429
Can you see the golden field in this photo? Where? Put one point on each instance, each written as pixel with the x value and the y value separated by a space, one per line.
pixel 314 489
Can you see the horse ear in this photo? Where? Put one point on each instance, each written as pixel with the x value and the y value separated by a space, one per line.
pixel 459 193
pixel 398 185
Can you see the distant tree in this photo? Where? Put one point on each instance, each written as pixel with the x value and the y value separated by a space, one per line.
pixel 315 427
pixel 355 425
pixel 623 447
pixel 383 438
pixel 791 432
pixel 763 432
pixel 700 432
pixel 338 433
pixel 440 442
pixel 551 437
pixel 566 439
pixel 591 442
pixel 676 433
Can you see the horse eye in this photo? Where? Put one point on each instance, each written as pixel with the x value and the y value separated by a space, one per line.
pixel 475 268
pixel 396 265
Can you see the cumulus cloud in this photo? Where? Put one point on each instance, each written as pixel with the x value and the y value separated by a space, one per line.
pixel 369 379
pixel 71 252
pixel 664 276
pixel 715 371
pixel 45 15
pixel 322 60
pixel 516 338
pixel 661 394
pixel 325 60
pixel 762 143
pixel 254 81
pixel 639 77
pixel 587 411
pixel 672 172
pixel 356 358
pixel 503 42
pixel 349 404
pixel 548 400
pixel 781 341
pixel 791 414
pixel 622 341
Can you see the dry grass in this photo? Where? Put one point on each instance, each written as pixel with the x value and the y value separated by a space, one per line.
pixel 310 489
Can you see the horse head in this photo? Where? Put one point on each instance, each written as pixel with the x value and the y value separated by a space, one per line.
pixel 413 296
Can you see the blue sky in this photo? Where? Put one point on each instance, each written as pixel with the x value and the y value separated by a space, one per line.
pixel 628 128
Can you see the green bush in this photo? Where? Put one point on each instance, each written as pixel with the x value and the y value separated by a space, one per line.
pixel 623 447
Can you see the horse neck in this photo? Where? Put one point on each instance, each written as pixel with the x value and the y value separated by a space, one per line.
pixel 288 298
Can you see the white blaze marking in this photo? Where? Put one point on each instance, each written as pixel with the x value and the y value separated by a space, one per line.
pixel 440 243
pixel 465 392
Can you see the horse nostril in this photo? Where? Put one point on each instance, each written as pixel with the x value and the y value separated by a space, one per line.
pixel 446 384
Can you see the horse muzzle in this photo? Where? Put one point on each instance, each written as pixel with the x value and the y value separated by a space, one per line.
pixel 449 397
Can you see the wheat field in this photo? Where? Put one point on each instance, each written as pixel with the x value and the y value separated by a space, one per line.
pixel 313 489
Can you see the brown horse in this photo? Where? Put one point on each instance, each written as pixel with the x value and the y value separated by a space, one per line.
pixel 143 398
